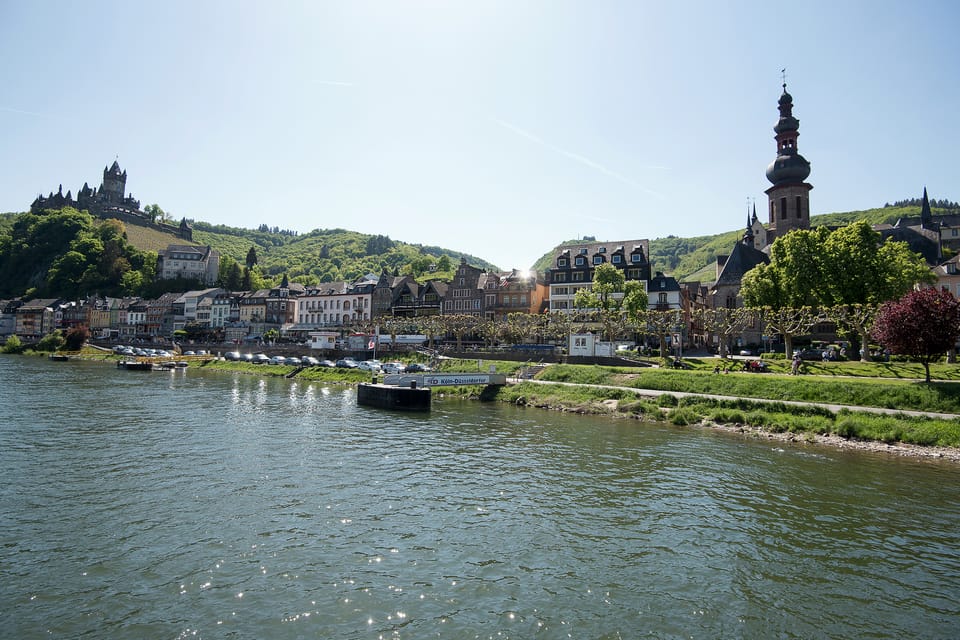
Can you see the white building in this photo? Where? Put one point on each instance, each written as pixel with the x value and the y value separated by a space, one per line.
pixel 190 262
pixel 334 304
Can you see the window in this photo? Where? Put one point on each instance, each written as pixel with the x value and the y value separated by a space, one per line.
pixel 559 277
pixel 583 251
pixel 561 262
pixel 635 258
pixel 783 208
pixel 580 261
pixel 578 276
pixel 799 207
pixel 617 259
pixel 603 250
pixel 597 259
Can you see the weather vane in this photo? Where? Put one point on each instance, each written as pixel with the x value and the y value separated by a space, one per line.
pixel 783 76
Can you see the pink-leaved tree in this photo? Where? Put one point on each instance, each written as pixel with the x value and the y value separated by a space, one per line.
pixel 922 324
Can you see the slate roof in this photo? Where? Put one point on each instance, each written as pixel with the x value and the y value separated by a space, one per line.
pixel 741 259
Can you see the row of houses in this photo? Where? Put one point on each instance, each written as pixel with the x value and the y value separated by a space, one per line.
pixel 294 309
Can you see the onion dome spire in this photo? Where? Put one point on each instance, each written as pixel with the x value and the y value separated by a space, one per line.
pixel 789 167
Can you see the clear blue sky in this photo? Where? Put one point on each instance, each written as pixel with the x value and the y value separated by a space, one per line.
pixel 498 128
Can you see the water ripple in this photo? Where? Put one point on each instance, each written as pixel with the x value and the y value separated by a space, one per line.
pixel 209 505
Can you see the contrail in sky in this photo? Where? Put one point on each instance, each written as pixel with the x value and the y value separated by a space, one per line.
pixel 32 113
pixel 579 158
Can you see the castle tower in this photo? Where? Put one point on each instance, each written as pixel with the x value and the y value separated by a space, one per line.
pixel 789 196
pixel 114 183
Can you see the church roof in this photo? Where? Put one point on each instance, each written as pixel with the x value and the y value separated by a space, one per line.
pixel 741 259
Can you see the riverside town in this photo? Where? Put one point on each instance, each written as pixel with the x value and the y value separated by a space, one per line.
pixel 591 299
pixel 485 320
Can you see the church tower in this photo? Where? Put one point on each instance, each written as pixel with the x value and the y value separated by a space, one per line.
pixel 789 196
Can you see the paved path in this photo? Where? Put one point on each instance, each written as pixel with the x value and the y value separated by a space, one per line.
pixel 685 394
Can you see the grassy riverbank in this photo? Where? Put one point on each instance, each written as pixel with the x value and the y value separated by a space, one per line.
pixel 890 393
pixel 618 392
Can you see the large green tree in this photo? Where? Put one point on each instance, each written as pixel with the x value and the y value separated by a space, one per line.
pixel 846 270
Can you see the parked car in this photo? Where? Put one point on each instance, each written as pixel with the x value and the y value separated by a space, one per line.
pixel 370 365
pixel 416 367
pixel 293 361
pixel 233 355
pixel 278 360
pixel 247 357
pixel 309 361
pixel 346 363
pixel 327 363
pixel 260 358
pixel 393 367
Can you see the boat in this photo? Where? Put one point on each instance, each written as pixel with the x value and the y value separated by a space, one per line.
pixel 135 365
pixel 59 357
pixel 388 396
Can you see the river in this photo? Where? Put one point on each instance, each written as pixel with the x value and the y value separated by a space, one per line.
pixel 194 504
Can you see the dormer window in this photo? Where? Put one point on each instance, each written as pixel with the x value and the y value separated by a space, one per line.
pixel 635 258
pixel 597 259
pixel 603 250
pixel 583 251
pixel 616 259
pixel 561 262
pixel 580 261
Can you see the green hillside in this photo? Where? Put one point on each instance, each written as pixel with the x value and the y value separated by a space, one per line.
pixel 327 255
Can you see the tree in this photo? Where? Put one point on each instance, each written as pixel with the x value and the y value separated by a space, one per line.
pixel 662 324
pixel 823 268
pixel 76 337
pixel 856 319
pixel 792 278
pixel 460 325
pixel 156 213
pixel 13 344
pixel 789 322
pixel 53 341
pixel 251 258
pixel 923 324
pixel 607 280
pixel 859 273
pixel 725 323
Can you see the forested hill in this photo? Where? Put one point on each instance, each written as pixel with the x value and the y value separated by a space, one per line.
pixel 68 253
pixel 327 255
pixel 695 258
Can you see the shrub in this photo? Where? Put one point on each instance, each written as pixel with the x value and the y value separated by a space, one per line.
pixel 13 345
pixel 667 400
pixel 683 416
pixel 727 416
pixel 51 342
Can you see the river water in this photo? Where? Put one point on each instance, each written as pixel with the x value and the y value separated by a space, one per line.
pixel 210 505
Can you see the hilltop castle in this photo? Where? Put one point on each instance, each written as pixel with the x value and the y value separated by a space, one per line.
pixel 107 201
